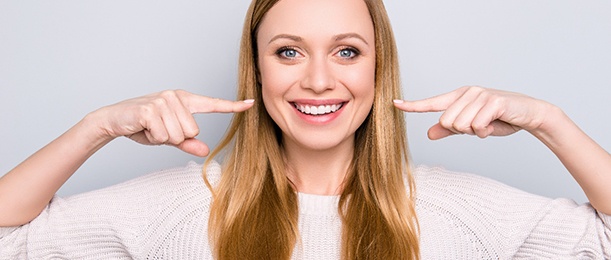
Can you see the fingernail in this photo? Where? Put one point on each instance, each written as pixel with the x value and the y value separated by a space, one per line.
pixel 249 101
pixel 397 101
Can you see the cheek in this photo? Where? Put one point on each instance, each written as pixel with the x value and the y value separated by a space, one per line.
pixel 275 79
pixel 270 95
pixel 275 82
pixel 361 81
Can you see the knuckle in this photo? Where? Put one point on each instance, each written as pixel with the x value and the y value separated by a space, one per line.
pixel 159 101
pixel 496 100
pixel 191 132
pixel 147 110
pixel 159 138
pixel 168 94
pixel 216 101
pixel 465 88
pixel 428 107
pixel 181 95
pixel 175 140
pixel 463 128
pixel 475 88
pixel 478 126
pixel 480 129
pixel 445 123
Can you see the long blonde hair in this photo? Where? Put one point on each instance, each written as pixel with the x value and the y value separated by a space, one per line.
pixel 254 213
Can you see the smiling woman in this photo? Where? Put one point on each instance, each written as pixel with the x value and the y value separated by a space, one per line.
pixel 301 60
pixel 317 75
pixel 315 164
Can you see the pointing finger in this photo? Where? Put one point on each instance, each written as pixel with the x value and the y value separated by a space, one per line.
pixel 227 106
pixel 203 104
pixel 433 104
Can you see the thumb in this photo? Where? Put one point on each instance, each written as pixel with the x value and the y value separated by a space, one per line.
pixel 195 147
pixel 437 132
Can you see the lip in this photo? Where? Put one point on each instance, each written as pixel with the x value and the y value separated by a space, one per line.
pixel 318 102
pixel 318 119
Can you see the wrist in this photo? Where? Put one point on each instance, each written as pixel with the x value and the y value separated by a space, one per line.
pixel 91 129
pixel 555 127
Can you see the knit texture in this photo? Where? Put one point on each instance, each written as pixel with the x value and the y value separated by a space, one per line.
pixel 164 215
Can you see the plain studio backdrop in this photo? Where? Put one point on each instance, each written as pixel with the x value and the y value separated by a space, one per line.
pixel 60 60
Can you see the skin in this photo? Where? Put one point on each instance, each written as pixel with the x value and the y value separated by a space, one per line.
pixel 160 118
pixel 166 118
pixel 331 60
pixel 486 112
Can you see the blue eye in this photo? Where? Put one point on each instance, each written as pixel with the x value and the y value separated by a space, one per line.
pixel 287 53
pixel 290 53
pixel 348 53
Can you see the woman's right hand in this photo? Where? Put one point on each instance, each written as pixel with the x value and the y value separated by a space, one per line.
pixel 163 118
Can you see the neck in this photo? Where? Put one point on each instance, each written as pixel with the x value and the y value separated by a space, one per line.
pixel 320 172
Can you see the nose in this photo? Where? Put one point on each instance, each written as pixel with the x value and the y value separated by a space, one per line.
pixel 319 77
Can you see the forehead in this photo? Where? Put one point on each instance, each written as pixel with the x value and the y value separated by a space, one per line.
pixel 311 18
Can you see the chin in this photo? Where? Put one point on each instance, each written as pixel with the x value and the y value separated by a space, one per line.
pixel 317 143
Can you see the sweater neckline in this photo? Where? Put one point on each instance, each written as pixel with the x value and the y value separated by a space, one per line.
pixel 320 205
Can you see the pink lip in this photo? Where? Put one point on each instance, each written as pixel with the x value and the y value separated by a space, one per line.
pixel 318 119
pixel 318 102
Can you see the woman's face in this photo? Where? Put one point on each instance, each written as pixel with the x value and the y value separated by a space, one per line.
pixel 317 65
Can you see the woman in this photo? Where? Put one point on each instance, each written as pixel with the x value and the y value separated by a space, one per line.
pixel 316 164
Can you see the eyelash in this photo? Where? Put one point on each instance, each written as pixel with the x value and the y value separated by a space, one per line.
pixel 281 52
pixel 355 52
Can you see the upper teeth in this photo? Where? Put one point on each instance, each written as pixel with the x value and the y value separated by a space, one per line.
pixel 318 110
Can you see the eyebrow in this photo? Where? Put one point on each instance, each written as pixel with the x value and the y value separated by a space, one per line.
pixel 286 36
pixel 338 37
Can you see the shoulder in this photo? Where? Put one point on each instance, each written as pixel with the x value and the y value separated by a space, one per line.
pixel 472 200
pixel 436 175
pixel 474 217
pixel 158 187
pixel 190 174
pixel 468 211
pixel 146 215
pixel 438 181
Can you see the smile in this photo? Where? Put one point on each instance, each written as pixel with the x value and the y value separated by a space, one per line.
pixel 318 110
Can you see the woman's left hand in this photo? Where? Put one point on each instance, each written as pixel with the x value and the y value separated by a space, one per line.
pixel 480 111
pixel 485 112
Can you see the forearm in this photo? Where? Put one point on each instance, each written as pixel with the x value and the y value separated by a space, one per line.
pixel 28 188
pixel 160 118
pixel 587 161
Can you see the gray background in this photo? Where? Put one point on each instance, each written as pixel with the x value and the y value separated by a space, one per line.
pixel 61 59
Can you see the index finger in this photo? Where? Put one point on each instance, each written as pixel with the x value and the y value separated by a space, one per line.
pixel 433 104
pixel 203 104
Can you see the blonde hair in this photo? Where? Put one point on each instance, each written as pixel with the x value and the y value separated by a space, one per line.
pixel 254 213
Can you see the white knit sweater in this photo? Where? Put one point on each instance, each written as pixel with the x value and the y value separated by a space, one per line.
pixel 165 215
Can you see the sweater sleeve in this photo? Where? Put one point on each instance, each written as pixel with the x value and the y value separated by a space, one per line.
pixel 117 222
pixel 487 219
pixel 99 223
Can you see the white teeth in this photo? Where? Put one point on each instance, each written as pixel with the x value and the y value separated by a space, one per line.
pixel 318 110
pixel 314 110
